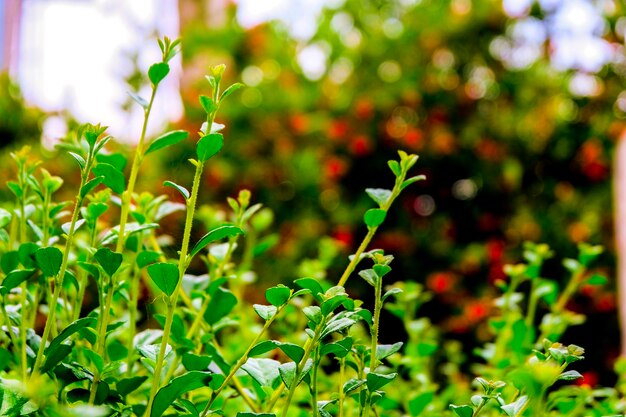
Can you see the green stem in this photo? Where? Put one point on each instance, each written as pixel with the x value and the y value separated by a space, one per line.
pixel 371 232
pixel 316 358
pixel 242 360
pixel 172 300
pixel 374 336
pixel 568 292
pixel 82 283
pixel 9 326
pixel 50 322
pixel 134 171
pixel 307 353
pixel 103 321
pixel 564 298
pixel 342 377
pixel 132 307
pixel 479 408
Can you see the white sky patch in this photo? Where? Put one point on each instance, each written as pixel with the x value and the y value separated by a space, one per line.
pixel 72 58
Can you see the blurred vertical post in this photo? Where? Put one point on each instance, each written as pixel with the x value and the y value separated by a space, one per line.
pixel 10 12
pixel 211 12
pixel 619 196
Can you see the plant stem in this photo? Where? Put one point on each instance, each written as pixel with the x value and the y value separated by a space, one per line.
pixel 374 336
pixel 199 316
pixel 307 353
pixel 569 291
pixel 371 231
pixel 50 322
pixel 172 300
pixel 134 171
pixel 316 358
pixel 242 360
pixel 342 377
pixel 9 326
pixel 132 311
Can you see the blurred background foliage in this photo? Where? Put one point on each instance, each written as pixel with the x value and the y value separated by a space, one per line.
pixel 514 148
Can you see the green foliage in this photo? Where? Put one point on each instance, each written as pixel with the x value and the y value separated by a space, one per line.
pixel 315 349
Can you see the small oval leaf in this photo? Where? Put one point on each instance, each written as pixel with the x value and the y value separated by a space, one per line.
pixel 49 260
pixel 215 234
pixel 208 146
pixel 168 139
pixel 165 276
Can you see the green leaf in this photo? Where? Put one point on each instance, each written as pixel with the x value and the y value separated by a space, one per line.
pixel 515 408
pixel 337 325
pixel 395 167
pixel 293 351
pixel 193 362
pixel 340 349
pixel 49 260
pixel 379 195
pixel 209 145
pixel 78 325
pixel 231 89
pixel 208 104
pixel 215 234
pixel 374 217
pixel 597 279
pixel 138 99
pixel 312 285
pixel 147 257
pixel 384 351
pixel 391 292
pixel 157 72
pixel 329 305
pixel 352 384
pixel 278 295
pixel 81 161
pixel 165 276
pixel 182 190
pixel 262 370
pixel 26 253
pixel 9 261
pixel 118 160
pixel 178 386
pixel 287 372
pixel 570 375
pixel 250 414
pixel 462 410
pixel 113 177
pixel 5 217
pixel 313 313
pixel 411 180
pixel 419 403
pixel 168 139
pixel 265 312
pixel 90 185
pixel 222 302
pixel 109 261
pixel 55 357
pixel 376 381
pixel 127 385
pixel 370 276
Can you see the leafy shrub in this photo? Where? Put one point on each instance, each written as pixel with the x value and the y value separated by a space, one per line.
pixel 312 350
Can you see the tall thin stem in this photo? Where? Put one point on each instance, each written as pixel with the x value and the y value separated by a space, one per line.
pixel 58 282
pixel 172 300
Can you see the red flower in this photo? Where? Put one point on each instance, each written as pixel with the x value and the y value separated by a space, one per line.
pixel 338 130
pixel 590 379
pixel 335 168
pixel 343 236
pixel 440 282
pixel 361 145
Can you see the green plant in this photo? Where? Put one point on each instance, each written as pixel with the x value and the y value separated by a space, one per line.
pixel 93 358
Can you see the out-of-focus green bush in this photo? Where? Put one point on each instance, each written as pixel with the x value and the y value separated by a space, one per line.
pixel 510 154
